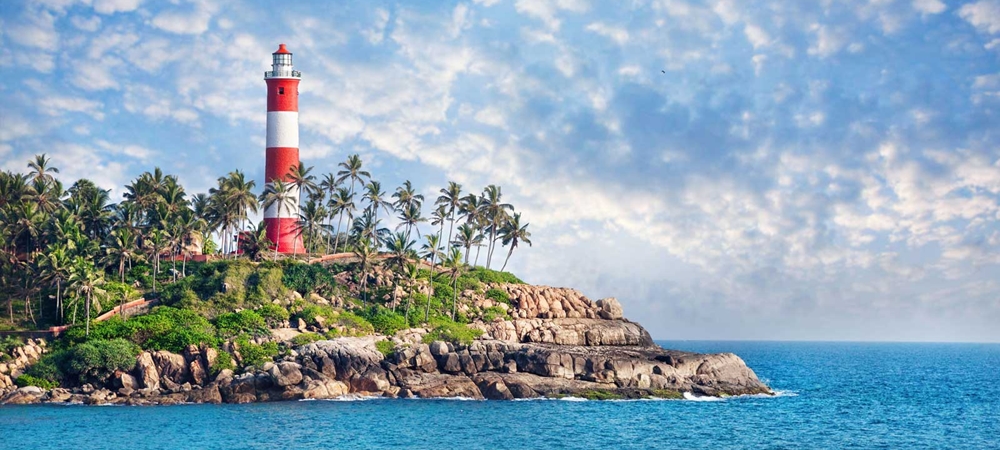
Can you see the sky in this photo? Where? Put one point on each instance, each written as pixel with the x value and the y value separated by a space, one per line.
pixel 786 170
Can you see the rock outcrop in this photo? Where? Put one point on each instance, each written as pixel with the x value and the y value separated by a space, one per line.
pixel 557 342
pixel 20 357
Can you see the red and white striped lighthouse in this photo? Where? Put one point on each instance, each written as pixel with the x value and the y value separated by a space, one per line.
pixel 282 148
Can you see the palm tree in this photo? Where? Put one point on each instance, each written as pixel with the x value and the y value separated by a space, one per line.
pixel 278 195
pixel 454 268
pixel 400 249
pixel 451 198
pixel 340 203
pixel 495 213
pixel 41 171
pixel 351 169
pixel 56 268
pixel 187 227
pixel 310 224
pixel 431 249
pixel 406 196
pixel 409 217
pixel 156 242
pixel 86 280
pixel 376 198
pixel 513 233
pixel 438 217
pixel 301 178
pixel 411 272
pixel 258 242
pixel 121 248
pixel 467 237
pixel 366 253
pixel 329 185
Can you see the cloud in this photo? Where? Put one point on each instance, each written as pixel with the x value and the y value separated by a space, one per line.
pixel 192 19
pixel 115 6
pixel 929 6
pixel 616 34
pixel 548 10
pixel 984 15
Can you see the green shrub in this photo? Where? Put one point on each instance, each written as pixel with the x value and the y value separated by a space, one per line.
pixel 494 312
pixel 492 276
pixel 600 395
pixel 222 362
pixel 246 321
pixel 29 380
pixel 256 354
pixel 310 312
pixel 306 338
pixel 265 285
pixel 274 315
pixel 306 278
pixel 96 360
pixel 355 324
pixel 498 295
pixel 386 347
pixel 384 320
pixel 49 367
pixel 448 331
pixel 165 328
pixel 466 283
pixel 7 345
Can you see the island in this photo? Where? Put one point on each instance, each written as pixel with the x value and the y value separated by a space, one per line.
pixel 145 309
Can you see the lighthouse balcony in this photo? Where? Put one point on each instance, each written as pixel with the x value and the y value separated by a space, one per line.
pixel 282 74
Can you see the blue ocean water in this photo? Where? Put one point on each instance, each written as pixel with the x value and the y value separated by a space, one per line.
pixel 833 395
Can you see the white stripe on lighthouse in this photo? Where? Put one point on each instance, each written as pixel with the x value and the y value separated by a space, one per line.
pixel 282 129
pixel 287 211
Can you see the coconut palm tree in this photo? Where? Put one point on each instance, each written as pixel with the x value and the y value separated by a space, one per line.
pixel 56 266
pixel 495 214
pixel 401 250
pixel 376 198
pixel 87 281
pixel 340 203
pixel 454 268
pixel 451 199
pixel 409 217
pixel 406 196
pixel 366 253
pixel 351 169
pixel 278 195
pixel 513 233
pixel 300 176
pixel 329 184
pixel 41 170
pixel 156 242
pixel 431 249
pixel 121 248
pixel 411 272
pixel 310 224
pixel 255 246
pixel 467 237
pixel 438 217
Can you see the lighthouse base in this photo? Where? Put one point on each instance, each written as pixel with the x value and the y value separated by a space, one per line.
pixel 284 232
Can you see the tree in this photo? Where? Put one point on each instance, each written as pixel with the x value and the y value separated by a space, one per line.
pixel 451 199
pixel 376 198
pixel 278 195
pixel 56 267
pixel 431 249
pixel 406 196
pixel 41 170
pixel 438 217
pixel 366 253
pixel 350 169
pixel 121 248
pixel 513 233
pixel 467 237
pixel 411 272
pixel 495 213
pixel 454 268
pixel 87 281
pixel 400 249
pixel 409 217
pixel 301 178
pixel 310 224
pixel 340 203
pixel 329 185
pixel 257 243
pixel 156 242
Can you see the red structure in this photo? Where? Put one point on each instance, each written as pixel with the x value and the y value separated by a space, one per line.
pixel 282 148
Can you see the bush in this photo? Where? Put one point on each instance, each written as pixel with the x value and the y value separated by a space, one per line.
pixel 96 360
pixel 491 276
pixel 246 321
pixel 384 321
pixel 498 295
pixel 309 314
pixel 494 312
pixel 274 315
pixel 165 328
pixel 448 331
pixel 266 284
pixel 386 348
pixel 466 283
pixel 306 278
pixel 355 324
pixel 28 380
pixel 7 345
pixel 306 338
pixel 222 362
pixel 49 367
pixel 256 354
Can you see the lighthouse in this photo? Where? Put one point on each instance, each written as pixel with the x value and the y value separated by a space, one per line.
pixel 283 149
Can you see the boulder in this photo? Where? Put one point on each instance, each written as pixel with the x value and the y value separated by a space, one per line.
pixel 171 366
pixel 23 396
pixel 286 374
pixel 433 385
pixel 610 309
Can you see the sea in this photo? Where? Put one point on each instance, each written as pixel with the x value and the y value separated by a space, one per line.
pixel 829 395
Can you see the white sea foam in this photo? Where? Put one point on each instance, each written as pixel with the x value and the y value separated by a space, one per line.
pixel 697 398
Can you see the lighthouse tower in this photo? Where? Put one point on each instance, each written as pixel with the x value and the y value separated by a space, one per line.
pixel 283 149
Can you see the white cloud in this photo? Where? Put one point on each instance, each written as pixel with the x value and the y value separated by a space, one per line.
pixel 57 106
pixel 92 23
pixel 757 36
pixel 491 116
pixel 36 30
pixel 984 15
pixel 376 34
pixel 616 34
pixel 114 6
pixel 929 6
pixel 828 41
pixel 189 20
pixel 547 10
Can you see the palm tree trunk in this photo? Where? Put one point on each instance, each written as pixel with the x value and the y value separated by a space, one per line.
pixel 59 300
pixel 489 254
pixel 427 312
pixel 454 296
pixel 479 247
pixel 336 239
pixel 508 257
pixel 87 307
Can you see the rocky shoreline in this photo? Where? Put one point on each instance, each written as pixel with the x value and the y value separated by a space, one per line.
pixel 558 343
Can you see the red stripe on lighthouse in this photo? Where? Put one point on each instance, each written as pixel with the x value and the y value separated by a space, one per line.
pixel 282 94
pixel 282 152
pixel 281 161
